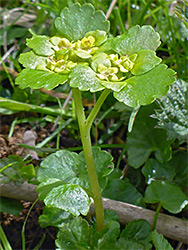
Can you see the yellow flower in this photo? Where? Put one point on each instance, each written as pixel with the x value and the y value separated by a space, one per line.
pixel 107 73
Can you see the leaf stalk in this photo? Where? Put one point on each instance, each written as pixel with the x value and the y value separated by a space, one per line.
pixel 85 127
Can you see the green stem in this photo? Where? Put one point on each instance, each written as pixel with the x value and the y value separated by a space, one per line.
pixel 85 127
pixel 156 216
pixel 4 240
pixel 97 107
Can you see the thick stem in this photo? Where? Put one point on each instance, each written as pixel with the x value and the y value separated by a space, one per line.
pixel 85 126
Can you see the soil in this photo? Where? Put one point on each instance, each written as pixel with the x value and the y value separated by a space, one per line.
pixel 12 225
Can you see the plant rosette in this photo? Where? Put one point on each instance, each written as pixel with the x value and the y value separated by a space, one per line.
pixel 83 55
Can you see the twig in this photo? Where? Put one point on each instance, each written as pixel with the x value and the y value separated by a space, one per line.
pixel 110 8
pixel 63 107
pixel 8 53
pixel 170 226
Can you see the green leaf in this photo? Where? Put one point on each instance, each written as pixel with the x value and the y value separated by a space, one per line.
pixel 20 106
pixel 171 197
pixel 145 61
pixel 46 186
pixel 181 170
pixel 144 89
pixel 124 244
pixel 107 235
pixel 31 60
pixel 41 45
pixel 11 206
pixel 160 242
pixel 138 230
pixel 74 235
pixel 69 197
pixel 117 189
pixel 54 217
pixel 14 168
pixel 37 79
pixel 61 165
pixel 84 78
pixel 154 170
pixel 74 22
pixel 99 35
pixel 145 139
pixel 173 112
pixel 115 86
pixel 137 38
pixel 70 167
pixel 103 164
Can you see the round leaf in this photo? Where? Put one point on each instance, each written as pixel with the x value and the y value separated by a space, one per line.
pixel 70 197
pixel 41 45
pixel 37 79
pixel 124 244
pixel 138 230
pixel 137 38
pixel 74 235
pixel 145 61
pixel 144 89
pixel 55 217
pixel 117 189
pixel 154 170
pixel 160 242
pixel 84 78
pixel 61 165
pixel 74 22
pixel 171 197
pixel 69 167
pixel 31 60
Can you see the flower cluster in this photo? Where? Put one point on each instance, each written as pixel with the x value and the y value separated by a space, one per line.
pixel 108 67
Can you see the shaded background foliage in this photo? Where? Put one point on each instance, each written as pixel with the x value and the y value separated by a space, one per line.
pixel 154 152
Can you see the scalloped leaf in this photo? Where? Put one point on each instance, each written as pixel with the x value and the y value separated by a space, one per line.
pixel 137 38
pixel 155 170
pixel 119 190
pixel 41 45
pixel 37 79
pixel 145 61
pixel 115 86
pixel 54 217
pixel 46 186
pixel 74 22
pixel 84 78
pixel 74 235
pixel 69 197
pixel 31 60
pixel 124 244
pixel 69 167
pixel 171 197
pixel 144 89
pixel 138 231
pixel 160 242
